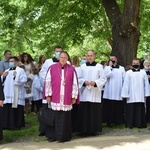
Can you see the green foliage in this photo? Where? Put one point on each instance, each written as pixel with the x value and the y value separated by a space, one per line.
pixel 37 26
pixel 144 45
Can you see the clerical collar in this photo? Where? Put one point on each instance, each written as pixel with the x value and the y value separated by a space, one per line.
pixel 14 68
pixel 91 64
pixel 55 59
pixel 117 66
pixel 135 70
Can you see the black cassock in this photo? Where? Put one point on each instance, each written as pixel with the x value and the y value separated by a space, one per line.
pixel 1 110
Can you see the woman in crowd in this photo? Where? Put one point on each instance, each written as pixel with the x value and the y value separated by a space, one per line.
pixel 40 62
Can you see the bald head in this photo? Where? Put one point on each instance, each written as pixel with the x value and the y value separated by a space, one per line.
pixel 91 56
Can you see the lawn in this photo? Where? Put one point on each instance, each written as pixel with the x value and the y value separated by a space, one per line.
pixel 30 132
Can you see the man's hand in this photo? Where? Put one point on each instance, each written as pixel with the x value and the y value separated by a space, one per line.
pixel 87 83
pixel 1 103
pixel 92 83
pixel 73 100
pixel 48 99
pixel 110 63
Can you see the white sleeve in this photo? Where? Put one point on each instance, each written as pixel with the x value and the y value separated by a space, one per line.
pixel 44 70
pixel 75 86
pixel 48 87
pixel 126 87
pixel 100 82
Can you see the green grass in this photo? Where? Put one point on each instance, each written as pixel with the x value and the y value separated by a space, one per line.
pixel 28 133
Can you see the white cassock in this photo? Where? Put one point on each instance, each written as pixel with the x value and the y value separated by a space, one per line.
pixel 113 86
pixel 91 73
pixel 14 87
pixel 136 86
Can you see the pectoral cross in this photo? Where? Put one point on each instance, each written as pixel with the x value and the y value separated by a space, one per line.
pixel 63 82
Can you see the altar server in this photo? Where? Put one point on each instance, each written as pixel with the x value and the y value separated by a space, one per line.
pixel 135 89
pixel 91 82
pixel 113 112
pixel 14 80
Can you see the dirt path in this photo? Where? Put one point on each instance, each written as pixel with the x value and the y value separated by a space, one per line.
pixel 115 139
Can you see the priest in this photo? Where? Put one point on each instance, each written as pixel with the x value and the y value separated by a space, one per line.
pixel 14 80
pixel 135 89
pixel 90 83
pixel 61 91
pixel 112 109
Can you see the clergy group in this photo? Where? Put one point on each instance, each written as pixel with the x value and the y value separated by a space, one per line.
pixel 77 96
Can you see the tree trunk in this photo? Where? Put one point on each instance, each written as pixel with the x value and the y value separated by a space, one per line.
pixel 125 32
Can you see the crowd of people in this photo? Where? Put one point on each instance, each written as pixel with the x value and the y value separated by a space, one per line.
pixel 77 95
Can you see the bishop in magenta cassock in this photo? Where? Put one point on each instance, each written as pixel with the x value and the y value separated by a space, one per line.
pixel 61 91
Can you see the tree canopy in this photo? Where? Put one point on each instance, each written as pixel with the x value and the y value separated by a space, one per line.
pixel 37 26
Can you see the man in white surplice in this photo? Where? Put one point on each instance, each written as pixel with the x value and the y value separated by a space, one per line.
pixel 91 82
pixel 14 80
pixel 135 89
pixel 42 74
pixel 112 109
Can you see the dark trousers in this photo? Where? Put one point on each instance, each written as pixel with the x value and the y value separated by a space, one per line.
pixel 38 105
pixel 42 126
pixel 13 117
pixel 135 115
pixel 1 123
pixel 113 112
pixel 89 118
pixel 61 131
pixel 148 109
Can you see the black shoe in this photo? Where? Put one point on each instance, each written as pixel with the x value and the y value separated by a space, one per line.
pixel 41 134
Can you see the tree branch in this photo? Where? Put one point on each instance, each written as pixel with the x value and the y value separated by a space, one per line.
pixel 112 10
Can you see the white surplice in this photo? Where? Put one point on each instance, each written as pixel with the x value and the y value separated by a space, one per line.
pixel 43 72
pixel 91 73
pixel 136 86
pixel 12 82
pixel 113 86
